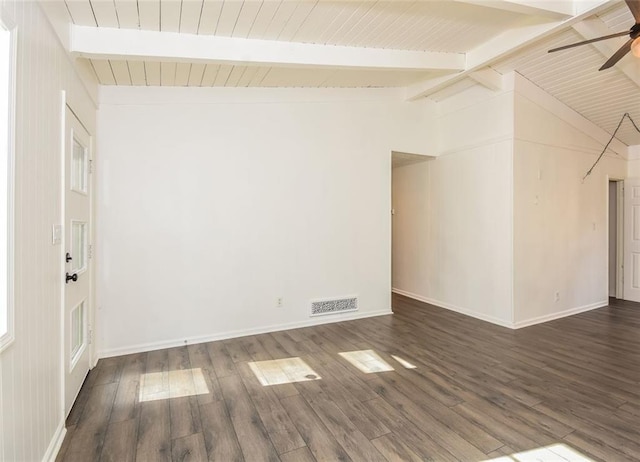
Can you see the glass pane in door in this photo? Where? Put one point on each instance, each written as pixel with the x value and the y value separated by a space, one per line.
pixel 77 332
pixel 78 246
pixel 79 168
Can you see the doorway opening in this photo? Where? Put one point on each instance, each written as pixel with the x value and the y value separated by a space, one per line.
pixel 409 221
pixel 616 233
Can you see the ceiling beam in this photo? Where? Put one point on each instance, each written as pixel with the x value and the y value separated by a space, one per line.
pixel 595 27
pixel 546 9
pixel 505 44
pixel 489 78
pixel 130 44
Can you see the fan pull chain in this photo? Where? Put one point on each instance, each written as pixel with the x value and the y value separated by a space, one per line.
pixel 626 114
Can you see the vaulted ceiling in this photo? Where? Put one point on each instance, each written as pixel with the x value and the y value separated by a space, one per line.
pixel 434 48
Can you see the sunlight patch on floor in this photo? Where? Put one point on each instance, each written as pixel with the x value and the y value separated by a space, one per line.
pixel 279 371
pixel 172 384
pixel 368 361
pixel 554 453
pixel 406 364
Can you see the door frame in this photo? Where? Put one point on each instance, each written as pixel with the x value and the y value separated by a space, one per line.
pixel 619 235
pixel 91 266
pixel 620 239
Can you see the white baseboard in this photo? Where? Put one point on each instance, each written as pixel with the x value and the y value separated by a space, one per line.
pixel 55 444
pixel 500 322
pixel 560 314
pixel 140 348
pixel 457 309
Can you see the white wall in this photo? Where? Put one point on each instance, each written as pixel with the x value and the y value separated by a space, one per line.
pixel 560 222
pixel 453 221
pixel 501 221
pixel 215 202
pixel 31 417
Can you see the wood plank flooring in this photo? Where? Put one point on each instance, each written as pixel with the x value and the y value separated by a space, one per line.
pixel 477 392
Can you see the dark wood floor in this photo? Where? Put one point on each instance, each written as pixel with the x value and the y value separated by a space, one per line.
pixel 479 391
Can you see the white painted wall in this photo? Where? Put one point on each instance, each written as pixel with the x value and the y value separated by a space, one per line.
pixel 215 202
pixel 501 221
pixel 31 417
pixel 453 222
pixel 560 222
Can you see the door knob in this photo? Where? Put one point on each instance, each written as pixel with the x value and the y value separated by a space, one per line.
pixel 71 277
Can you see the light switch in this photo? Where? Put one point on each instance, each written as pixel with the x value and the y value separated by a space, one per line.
pixel 56 234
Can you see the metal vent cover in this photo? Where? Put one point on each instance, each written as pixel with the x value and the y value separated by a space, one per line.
pixel 334 305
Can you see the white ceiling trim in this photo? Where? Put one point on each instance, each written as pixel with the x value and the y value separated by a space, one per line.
pixel 127 44
pixel 549 9
pixel 501 46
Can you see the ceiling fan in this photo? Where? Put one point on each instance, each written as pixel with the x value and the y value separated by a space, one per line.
pixel 633 44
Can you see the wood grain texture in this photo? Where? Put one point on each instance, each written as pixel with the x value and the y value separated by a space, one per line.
pixel 321 443
pixel 282 431
pixel 394 450
pixel 120 442
pixel 299 455
pixel 88 436
pixel 154 432
pixel 220 438
pixel 189 449
pixel 126 403
pixel 478 391
pixel 199 358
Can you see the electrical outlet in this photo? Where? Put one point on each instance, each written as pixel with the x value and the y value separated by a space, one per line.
pixel 279 302
pixel 557 296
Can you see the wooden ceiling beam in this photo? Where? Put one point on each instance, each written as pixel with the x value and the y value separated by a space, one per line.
pixel 143 45
pixel 530 32
pixel 547 9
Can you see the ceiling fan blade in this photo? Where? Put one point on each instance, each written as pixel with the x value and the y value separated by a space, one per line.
pixel 623 50
pixel 634 6
pixel 577 44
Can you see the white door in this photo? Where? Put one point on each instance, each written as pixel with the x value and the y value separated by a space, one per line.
pixel 77 284
pixel 632 239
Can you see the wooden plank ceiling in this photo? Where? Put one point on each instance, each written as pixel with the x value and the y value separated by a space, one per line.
pixel 572 76
pixel 397 25
pixel 400 25
pixel 444 26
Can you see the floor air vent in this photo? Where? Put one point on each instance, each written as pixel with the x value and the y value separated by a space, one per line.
pixel 334 305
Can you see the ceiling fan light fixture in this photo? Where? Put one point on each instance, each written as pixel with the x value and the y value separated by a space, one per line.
pixel 635 47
